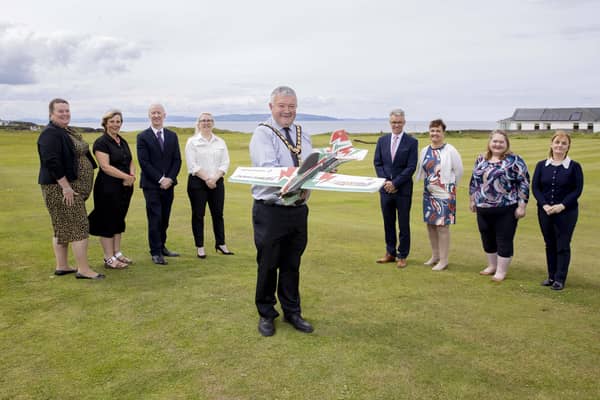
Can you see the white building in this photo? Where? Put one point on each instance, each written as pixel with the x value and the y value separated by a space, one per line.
pixel 536 119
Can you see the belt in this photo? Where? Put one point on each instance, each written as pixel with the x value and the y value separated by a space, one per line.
pixel 271 204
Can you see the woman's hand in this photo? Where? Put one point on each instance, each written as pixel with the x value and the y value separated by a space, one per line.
pixel 129 180
pixel 557 208
pixel 547 208
pixel 472 206
pixel 69 196
pixel 211 183
pixel 520 210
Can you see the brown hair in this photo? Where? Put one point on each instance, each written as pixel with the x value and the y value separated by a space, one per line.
pixel 560 134
pixel 53 102
pixel 108 115
pixel 437 122
pixel 488 154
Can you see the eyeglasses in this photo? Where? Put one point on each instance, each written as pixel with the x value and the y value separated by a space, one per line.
pixel 206 120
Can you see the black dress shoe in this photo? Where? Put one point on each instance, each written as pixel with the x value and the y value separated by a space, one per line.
pixel 557 285
pixel 299 323
pixel 81 276
pixel 548 282
pixel 167 253
pixel 159 260
pixel 61 272
pixel 266 326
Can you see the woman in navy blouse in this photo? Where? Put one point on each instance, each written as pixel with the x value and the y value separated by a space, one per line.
pixel 499 191
pixel 557 184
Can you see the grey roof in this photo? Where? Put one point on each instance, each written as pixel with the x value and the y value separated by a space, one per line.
pixel 557 114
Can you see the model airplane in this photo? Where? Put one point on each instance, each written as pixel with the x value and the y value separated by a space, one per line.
pixel 317 171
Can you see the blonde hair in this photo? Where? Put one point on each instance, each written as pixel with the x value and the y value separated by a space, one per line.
pixel 108 115
pixel 197 130
pixel 488 154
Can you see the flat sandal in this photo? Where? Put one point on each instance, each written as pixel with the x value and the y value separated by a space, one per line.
pixel 114 263
pixel 119 256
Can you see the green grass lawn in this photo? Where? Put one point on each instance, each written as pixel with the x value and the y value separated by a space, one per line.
pixel 188 331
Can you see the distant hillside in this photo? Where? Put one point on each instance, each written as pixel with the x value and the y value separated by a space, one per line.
pixel 224 117
pixel 185 118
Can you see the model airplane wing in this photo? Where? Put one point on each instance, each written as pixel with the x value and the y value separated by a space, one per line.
pixel 263 176
pixel 279 177
pixel 343 183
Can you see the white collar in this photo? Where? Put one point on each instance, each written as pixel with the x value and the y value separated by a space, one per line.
pixel 565 163
pixel 198 136
pixel 156 130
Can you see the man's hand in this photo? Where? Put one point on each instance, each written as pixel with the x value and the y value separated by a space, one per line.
pixel 389 187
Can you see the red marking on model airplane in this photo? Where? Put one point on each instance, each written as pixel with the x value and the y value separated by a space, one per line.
pixel 286 173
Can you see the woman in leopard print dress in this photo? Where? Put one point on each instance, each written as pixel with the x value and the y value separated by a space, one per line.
pixel 66 176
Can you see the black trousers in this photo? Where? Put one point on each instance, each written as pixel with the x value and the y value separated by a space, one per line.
pixel 394 206
pixel 497 227
pixel 200 194
pixel 557 230
pixel 280 236
pixel 158 212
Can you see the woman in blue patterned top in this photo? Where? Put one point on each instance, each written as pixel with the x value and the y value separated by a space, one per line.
pixel 499 191
pixel 557 184
pixel 441 167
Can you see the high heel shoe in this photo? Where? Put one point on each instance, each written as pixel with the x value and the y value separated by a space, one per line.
pixel 225 251
pixel 200 252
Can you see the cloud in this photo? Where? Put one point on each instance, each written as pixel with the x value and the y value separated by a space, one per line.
pixel 27 55
pixel 576 32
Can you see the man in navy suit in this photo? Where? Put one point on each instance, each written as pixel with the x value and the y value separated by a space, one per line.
pixel 396 161
pixel 160 161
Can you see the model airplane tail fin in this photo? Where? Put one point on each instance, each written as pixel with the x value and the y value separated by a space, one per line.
pixel 341 145
pixel 339 140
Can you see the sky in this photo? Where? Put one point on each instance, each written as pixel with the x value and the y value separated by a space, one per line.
pixel 460 60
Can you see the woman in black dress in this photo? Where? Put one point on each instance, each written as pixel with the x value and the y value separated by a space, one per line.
pixel 112 190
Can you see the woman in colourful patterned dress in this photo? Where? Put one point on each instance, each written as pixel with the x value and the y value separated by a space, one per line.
pixel 441 167
pixel 499 191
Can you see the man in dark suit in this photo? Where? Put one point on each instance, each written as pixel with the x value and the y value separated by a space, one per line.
pixel 396 161
pixel 160 160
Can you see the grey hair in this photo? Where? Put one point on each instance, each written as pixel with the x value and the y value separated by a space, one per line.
pixel 397 112
pixel 282 91
pixel 157 105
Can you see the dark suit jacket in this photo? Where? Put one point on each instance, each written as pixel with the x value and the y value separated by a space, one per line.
pixel 57 155
pixel 401 170
pixel 156 163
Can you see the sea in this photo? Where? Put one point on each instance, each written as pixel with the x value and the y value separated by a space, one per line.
pixel 374 126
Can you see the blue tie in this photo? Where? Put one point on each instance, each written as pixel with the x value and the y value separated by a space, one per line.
pixel 160 139
pixel 289 139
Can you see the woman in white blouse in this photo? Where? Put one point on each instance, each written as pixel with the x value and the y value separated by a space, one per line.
pixel 207 162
